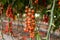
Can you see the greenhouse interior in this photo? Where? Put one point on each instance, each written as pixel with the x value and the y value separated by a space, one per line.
pixel 29 19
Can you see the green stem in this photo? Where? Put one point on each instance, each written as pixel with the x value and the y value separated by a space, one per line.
pixel 51 20
pixel 8 26
pixel 38 37
pixel 30 3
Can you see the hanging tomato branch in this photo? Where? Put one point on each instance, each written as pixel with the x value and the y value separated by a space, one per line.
pixel 9 14
pixel 30 22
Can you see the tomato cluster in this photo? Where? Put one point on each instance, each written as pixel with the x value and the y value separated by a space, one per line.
pixel 9 12
pixel 29 21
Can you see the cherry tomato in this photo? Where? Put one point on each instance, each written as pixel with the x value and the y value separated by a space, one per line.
pixel 29 22
pixel 26 11
pixel 33 17
pixel 29 14
pixel 25 30
pixel 29 19
pixel 58 3
pixel 32 11
pixel 32 28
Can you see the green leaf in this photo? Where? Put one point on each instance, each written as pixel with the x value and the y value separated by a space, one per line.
pixel 38 36
pixel 4 1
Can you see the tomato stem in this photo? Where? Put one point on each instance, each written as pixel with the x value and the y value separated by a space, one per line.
pixel 51 21
pixel 30 3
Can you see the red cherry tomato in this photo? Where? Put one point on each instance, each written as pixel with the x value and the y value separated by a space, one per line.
pixel 29 22
pixel 29 19
pixel 26 11
pixel 32 11
pixel 29 14
pixel 25 30
pixel 32 16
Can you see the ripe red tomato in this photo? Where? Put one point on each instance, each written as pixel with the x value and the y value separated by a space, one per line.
pixel 25 30
pixel 45 18
pixel 29 27
pixel 59 3
pixel 11 16
pixel 29 14
pixel 26 11
pixel 32 28
pixel 32 11
pixel 29 19
pixel 33 17
pixel 29 22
